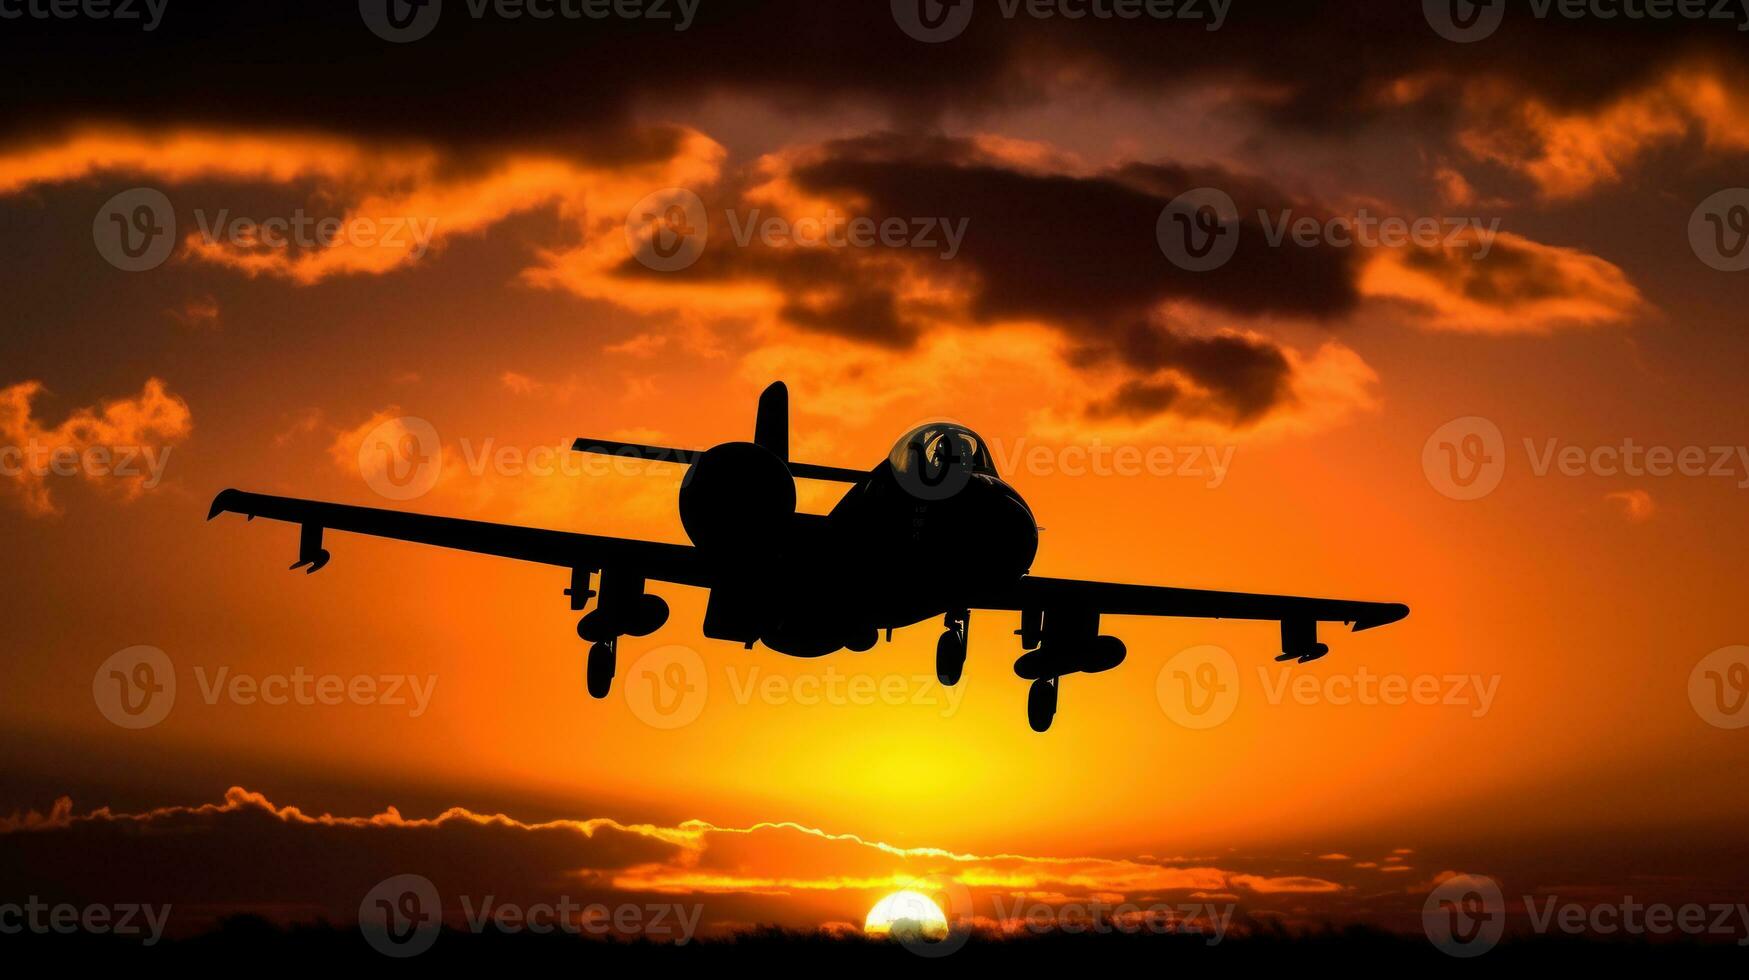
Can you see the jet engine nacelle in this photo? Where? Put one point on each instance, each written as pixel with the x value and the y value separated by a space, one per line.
pixel 737 500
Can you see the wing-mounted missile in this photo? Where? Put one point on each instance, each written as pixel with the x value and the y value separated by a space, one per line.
pixel 312 557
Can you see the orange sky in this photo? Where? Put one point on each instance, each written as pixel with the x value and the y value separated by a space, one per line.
pixel 1560 617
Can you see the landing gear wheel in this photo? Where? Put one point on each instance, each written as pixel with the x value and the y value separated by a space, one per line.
pixel 601 668
pixel 950 657
pixel 1041 704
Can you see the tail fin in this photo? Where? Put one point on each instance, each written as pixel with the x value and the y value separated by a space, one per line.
pixel 771 428
pixel 770 432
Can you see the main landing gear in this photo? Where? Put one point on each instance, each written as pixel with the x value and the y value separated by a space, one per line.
pixel 1060 642
pixel 624 610
pixel 603 659
pixel 1041 704
pixel 950 650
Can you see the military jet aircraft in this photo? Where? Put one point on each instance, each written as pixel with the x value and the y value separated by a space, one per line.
pixel 930 531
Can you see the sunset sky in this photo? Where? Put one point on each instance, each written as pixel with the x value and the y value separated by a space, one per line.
pixel 489 179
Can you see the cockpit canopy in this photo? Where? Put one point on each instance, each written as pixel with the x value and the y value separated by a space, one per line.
pixel 939 445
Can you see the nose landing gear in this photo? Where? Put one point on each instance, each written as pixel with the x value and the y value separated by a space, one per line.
pixel 950 650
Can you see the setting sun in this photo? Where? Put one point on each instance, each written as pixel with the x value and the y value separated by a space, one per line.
pixel 907 912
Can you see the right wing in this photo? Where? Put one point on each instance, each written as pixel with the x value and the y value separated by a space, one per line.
pixel 1117 599
pixel 676 563
pixel 1085 602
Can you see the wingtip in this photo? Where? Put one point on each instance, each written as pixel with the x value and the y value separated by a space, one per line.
pixel 222 503
pixel 1388 613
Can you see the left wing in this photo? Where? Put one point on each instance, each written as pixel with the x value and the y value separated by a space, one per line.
pixel 1298 615
pixel 646 559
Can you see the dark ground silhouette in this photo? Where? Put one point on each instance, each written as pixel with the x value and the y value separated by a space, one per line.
pixel 246 942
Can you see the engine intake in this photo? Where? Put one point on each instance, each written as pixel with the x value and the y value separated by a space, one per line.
pixel 737 499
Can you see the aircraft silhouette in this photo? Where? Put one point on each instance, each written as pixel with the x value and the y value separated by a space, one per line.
pixel 932 530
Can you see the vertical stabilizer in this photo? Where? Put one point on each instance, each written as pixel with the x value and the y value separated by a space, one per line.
pixel 771 429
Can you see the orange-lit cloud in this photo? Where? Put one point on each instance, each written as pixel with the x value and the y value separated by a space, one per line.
pixel 399 203
pixel 1520 286
pixel 1568 153
pixel 1144 347
pixel 124 443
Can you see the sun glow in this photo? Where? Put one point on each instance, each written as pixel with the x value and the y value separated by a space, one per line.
pixel 906 913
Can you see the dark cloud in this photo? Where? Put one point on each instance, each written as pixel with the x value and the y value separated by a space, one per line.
pixel 1078 252
pixel 1083 249
pixel 248 855
pixel 313 63
pixel 1245 376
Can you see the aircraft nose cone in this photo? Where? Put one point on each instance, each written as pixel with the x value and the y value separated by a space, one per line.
pixel 1012 538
